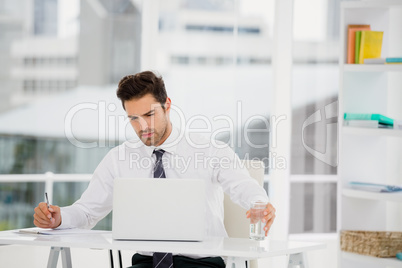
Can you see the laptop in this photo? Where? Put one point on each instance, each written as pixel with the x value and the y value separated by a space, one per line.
pixel 158 209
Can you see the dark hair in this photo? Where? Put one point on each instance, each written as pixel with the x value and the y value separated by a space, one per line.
pixel 138 85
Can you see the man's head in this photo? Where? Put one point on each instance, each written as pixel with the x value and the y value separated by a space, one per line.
pixel 145 100
pixel 138 85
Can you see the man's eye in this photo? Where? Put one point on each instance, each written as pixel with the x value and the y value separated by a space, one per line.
pixel 133 118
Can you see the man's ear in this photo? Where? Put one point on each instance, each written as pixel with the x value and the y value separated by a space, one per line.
pixel 168 104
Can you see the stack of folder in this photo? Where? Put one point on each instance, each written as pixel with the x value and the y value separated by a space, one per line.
pixel 364 46
pixel 363 43
pixel 373 187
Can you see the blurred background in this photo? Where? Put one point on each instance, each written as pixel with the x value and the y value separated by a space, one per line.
pixel 59 115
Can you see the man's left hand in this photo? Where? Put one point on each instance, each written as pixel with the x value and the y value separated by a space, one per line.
pixel 269 217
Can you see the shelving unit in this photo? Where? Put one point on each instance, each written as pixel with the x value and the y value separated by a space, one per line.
pixel 392 262
pixel 396 197
pixel 372 68
pixel 368 154
pixel 380 132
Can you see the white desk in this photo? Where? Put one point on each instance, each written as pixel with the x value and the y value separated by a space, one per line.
pixel 237 250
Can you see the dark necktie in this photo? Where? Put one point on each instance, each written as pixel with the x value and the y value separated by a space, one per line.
pixel 159 172
pixel 161 259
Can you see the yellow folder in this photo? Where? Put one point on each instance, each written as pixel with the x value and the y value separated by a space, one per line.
pixel 370 45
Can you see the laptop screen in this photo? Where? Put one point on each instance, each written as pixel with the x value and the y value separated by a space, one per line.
pixel 159 209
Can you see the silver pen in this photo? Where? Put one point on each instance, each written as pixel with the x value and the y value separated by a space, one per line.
pixel 47 201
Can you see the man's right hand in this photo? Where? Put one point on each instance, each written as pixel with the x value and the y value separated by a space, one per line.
pixel 45 217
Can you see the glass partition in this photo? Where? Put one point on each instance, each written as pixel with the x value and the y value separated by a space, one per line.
pixel 216 60
pixel 61 62
pixel 315 85
pixel 18 201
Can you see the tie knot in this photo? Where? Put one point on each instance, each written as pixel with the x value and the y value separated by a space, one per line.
pixel 159 153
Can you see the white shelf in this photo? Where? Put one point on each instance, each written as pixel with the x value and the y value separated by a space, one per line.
pixel 372 67
pixel 372 131
pixel 371 4
pixel 396 197
pixel 393 262
pixel 379 84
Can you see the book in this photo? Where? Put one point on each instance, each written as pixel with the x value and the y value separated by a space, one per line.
pixel 358 36
pixel 352 28
pixel 383 61
pixel 389 60
pixel 373 187
pixel 381 119
pixel 375 61
pixel 370 45
pixel 365 124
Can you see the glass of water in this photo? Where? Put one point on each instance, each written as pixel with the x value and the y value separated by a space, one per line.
pixel 256 225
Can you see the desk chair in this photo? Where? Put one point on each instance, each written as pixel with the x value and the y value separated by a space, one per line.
pixel 235 221
pixel 238 226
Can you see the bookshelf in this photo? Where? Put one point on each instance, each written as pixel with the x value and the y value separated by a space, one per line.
pixel 372 68
pixel 395 197
pixel 369 154
pixel 379 132
pixel 367 260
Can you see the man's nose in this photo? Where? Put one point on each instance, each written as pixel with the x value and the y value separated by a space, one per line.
pixel 143 124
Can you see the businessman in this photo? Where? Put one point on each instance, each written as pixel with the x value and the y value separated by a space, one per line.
pixel 148 107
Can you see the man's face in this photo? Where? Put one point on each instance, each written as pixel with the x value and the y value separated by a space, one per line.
pixel 149 119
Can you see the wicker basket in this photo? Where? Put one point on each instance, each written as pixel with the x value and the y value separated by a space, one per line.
pixel 377 244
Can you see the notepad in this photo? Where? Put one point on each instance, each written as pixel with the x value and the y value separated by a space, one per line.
pixel 73 231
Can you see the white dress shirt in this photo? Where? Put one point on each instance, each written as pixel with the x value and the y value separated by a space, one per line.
pixel 186 156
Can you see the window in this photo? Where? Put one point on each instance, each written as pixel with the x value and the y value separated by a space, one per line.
pixel 212 54
pixel 214 58
pixel 314 127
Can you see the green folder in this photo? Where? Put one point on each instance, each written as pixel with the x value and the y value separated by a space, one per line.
pixel 377 117
pixel 358 37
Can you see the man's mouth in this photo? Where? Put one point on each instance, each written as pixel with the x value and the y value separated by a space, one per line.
pixel 147 135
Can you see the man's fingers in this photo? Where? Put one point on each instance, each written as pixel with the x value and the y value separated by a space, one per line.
pixel 41 223
pixel 54 209
pixel 43 217
pixel 46 211
pixel 42 211
pixel 39 213
pixel 44 223
pixel 269 216
pixel 268 225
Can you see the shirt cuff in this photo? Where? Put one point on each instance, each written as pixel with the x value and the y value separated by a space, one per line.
pixel 65 219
